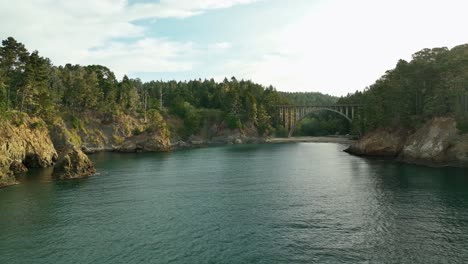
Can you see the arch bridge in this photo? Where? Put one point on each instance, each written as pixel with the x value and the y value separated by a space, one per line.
pixel 291 115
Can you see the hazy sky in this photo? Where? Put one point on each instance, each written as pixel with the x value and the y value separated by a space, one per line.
pixel 330 46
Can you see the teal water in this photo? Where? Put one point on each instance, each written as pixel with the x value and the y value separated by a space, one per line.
pixel 286 203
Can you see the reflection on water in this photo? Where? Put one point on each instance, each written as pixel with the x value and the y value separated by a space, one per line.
pixel 288 203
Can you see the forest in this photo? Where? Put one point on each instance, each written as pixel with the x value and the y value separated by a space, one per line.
pixel 433 84
pixel 31 84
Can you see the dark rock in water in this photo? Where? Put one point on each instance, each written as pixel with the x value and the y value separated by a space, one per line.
pixel 72 164
pixel 18 167
pixel 180 145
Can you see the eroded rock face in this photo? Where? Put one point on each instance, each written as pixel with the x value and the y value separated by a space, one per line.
pixel 6 177
pixel 431 143
pixel 24 142
pixel 221 134
pixel 73 164
pixel 458 152
pixel 28 142
pixel 17 167
pixel 382 142
pixel 437 143
pixel 146 142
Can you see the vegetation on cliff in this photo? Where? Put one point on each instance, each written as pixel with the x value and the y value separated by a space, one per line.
pixel 87 108
pixel 434 83
pixel 24 143
pixel 30 83
pixel 418 111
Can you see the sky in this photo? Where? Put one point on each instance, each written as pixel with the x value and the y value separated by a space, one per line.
pixel 330 46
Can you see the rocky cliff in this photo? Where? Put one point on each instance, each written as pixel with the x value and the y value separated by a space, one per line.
pixel 64 141
pixel 27 142
pixel 73 163
pixel 24 143
pixel 381 142
pixel 218 133
pixel 437 143
pixel 96 132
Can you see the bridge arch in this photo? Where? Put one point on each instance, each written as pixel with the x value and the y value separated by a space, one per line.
pixel 293 128
pixel 290 116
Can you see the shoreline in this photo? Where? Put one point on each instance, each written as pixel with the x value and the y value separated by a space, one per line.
pixel 183 145
pixel 325 139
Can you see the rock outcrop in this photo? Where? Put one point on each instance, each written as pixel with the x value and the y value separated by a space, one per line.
pixel 6 176
pixel 73 164
pixel 437 143
pixel 430 143
pixel 146 142
pixel 216 133
pixel 382 142
pixel 24 143
pixel 97 132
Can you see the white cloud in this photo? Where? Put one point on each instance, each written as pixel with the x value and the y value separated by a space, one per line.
pixel 221 46
pixel 336 47
pixel 85 31
pixel 145 55
pixel 344 46
pixel 179 8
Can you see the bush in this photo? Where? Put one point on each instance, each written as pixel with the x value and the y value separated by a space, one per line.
pixel 137 131
pixel 462 125
pixel 232 121
pixel 281 132
pixel 75 122
pixel 37 125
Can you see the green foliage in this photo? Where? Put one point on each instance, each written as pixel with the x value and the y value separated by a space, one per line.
pixel 301 98
pixel 281 132
pixel 191 117
pixel 429 85
pixel 156 123
pixel 137 131
pixel 232 121
pixel 323 124
pixel 30 83
pixel 76 122
pixel 462 124
pixel 37 125
pixel 16 118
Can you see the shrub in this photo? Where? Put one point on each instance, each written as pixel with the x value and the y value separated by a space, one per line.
pixel 37 125
pixel 462 125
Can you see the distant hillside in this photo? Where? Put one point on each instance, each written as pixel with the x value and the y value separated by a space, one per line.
pixel 309 98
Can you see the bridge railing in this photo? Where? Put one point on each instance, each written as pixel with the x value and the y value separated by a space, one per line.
pixel 330 106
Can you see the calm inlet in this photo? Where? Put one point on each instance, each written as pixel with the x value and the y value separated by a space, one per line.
pixel 283 203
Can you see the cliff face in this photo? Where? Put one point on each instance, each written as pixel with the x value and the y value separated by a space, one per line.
pixel 218 133
pixel 436 143
pixel 431 143
pixel 97 132
pixel 24 143
pixel 73 163
pixel 27 142
pixel 382 142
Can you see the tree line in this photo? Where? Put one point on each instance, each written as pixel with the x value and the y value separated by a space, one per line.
pixel 30 83
pixel 434 83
